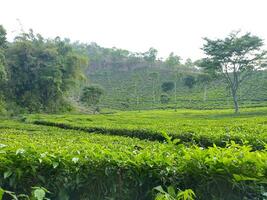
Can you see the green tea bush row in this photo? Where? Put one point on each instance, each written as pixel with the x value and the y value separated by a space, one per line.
pixel 191 137
pixel 77 165
pixel 190 126
pixel 136 133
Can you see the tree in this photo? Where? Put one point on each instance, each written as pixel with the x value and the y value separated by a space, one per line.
pixel 189 63
pixel 189 81
pixel 41 72
pixel 167 86
pixel 138 80
pixel 235 58
pixel 91 96
pixel 2 66
pixel 150 56
pixel 154 77
pixel 173 60
pixel 2 36
pixel 205 80
pixel 2 55
pixel 164 98
pixel 3 74
pixel 176 76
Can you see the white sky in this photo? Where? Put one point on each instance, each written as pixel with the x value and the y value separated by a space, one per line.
pixel 137 25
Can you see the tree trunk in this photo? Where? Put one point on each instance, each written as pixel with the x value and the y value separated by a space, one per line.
pixel 175 92
pixel 205 93
pixel 236 105
pixel 175 95
pixel 154 93
pixel 136 95
pixel 235 101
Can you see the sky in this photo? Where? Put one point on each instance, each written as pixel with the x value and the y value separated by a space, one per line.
pixel 168 25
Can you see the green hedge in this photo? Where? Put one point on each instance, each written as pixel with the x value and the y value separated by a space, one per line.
pixel 77 165
pixel 203 140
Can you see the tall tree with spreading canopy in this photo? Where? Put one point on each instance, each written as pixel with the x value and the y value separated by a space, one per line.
pixel 173 60
pixel 235 58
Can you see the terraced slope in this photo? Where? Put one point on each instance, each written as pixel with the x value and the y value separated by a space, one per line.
pixel 131 90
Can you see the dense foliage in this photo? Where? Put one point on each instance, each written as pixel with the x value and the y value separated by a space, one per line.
pixel 2 66
pixel 197 127
pixel 235 58
pixel 91 95
pixel 78 165
pixel 40 72
pixel 134 155
pixel 167 86
pixel 41 75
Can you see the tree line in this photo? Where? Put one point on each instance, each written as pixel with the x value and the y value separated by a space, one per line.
pixel 233 59
pixel 38 74
pixel 102 58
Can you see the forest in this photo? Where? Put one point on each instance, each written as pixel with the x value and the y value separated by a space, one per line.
pixel 85 122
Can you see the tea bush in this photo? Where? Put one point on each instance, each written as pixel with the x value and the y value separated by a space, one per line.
pixel 77 165
pixel 203 128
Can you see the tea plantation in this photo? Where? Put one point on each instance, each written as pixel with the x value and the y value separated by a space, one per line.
pixel 132 90
pixel 125 155
pixel 195 126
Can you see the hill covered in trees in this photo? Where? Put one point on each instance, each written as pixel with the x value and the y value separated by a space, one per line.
pixel 52 75
pixel 142 81
pixel 136 80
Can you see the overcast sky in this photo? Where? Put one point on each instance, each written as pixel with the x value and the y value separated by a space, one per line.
pixel 136 25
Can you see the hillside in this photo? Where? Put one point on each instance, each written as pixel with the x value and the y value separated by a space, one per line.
pixel 138 89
